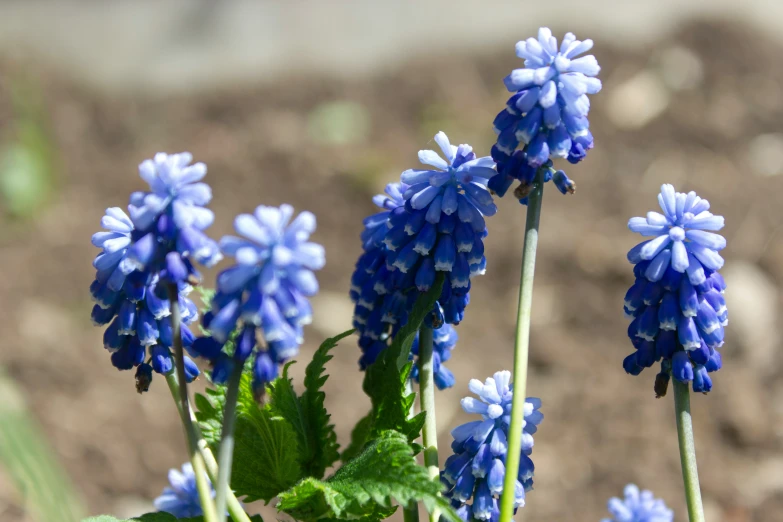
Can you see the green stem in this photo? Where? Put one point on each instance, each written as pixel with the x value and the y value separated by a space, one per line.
pixel 226 453
pixel 427 397
pixel 521 347
pixel 411 512
pixel 234 506
pixel 196 458
pixel 690 474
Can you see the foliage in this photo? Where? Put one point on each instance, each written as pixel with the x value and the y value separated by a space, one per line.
pixel 365 487
pixel 385 381
pixel 289 438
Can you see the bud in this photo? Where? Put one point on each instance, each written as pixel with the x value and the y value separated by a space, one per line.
pixel 143 377
pixel 661 384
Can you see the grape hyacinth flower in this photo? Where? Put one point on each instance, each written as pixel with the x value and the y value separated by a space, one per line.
pixel 547 114
pixel 441 227
pixel 676 304
pixel 477 469
pixel 638 506
pixel 138 326
pixel 265 292
pixel 181 498
pixel 413 238
pixel 444 339
pixel 170 219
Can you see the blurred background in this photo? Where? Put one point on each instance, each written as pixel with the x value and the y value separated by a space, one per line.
pixel 320 104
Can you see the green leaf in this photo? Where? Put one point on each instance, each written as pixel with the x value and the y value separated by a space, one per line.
pixel 359 437
pixel 266 452
pixel 366 486
pixel 385 379
pixel 321 434
pixel 307 414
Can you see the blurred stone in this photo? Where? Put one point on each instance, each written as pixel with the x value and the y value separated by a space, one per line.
pixel 681 68
pixel 765 154
pixel 639 100
pixel 752 298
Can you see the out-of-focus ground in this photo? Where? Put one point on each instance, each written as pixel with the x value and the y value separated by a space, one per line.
pixel 700 107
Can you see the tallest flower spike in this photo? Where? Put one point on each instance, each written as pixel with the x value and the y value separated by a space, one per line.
pixel 547 114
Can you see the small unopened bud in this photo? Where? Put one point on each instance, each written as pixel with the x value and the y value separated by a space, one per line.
pixel 563 183
pixel 661 384
pixel 523 190
pixel 143 377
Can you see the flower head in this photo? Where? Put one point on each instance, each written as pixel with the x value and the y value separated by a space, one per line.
pixel 676 304
pixel 477 468
pixel 181 497
pixel 638 506
pixel 547 114
pixel 133 308
pixel 683 237
pixel 458 180
pixel 266 290
pixel 170 219
pixel 404 248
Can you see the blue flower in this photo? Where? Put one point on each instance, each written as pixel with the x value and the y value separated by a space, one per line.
pixel 171 218
pixel 476 470
pixel 458 185
pixel 638 506
pixel 130 305
pixel 676 304
pixel 384 289
pixel 441 227
pixel 547 113
pixel 683 237
pixel 266 290
pixel 444 340
pixel 181 498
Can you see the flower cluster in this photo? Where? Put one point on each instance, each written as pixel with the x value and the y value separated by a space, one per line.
pixel 265 292
pixel 433 221
pixel 677 302
pixel 638 506
pixel 181 498
pixel 444 339
pixel 547 114
pixel 143 254
pixel 477 468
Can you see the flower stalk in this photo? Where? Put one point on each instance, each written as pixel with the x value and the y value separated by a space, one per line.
pixel 521 345
pixel 196 458
pixel 427 398
pixel 690 473
pixel 235 508
pixel 226 454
